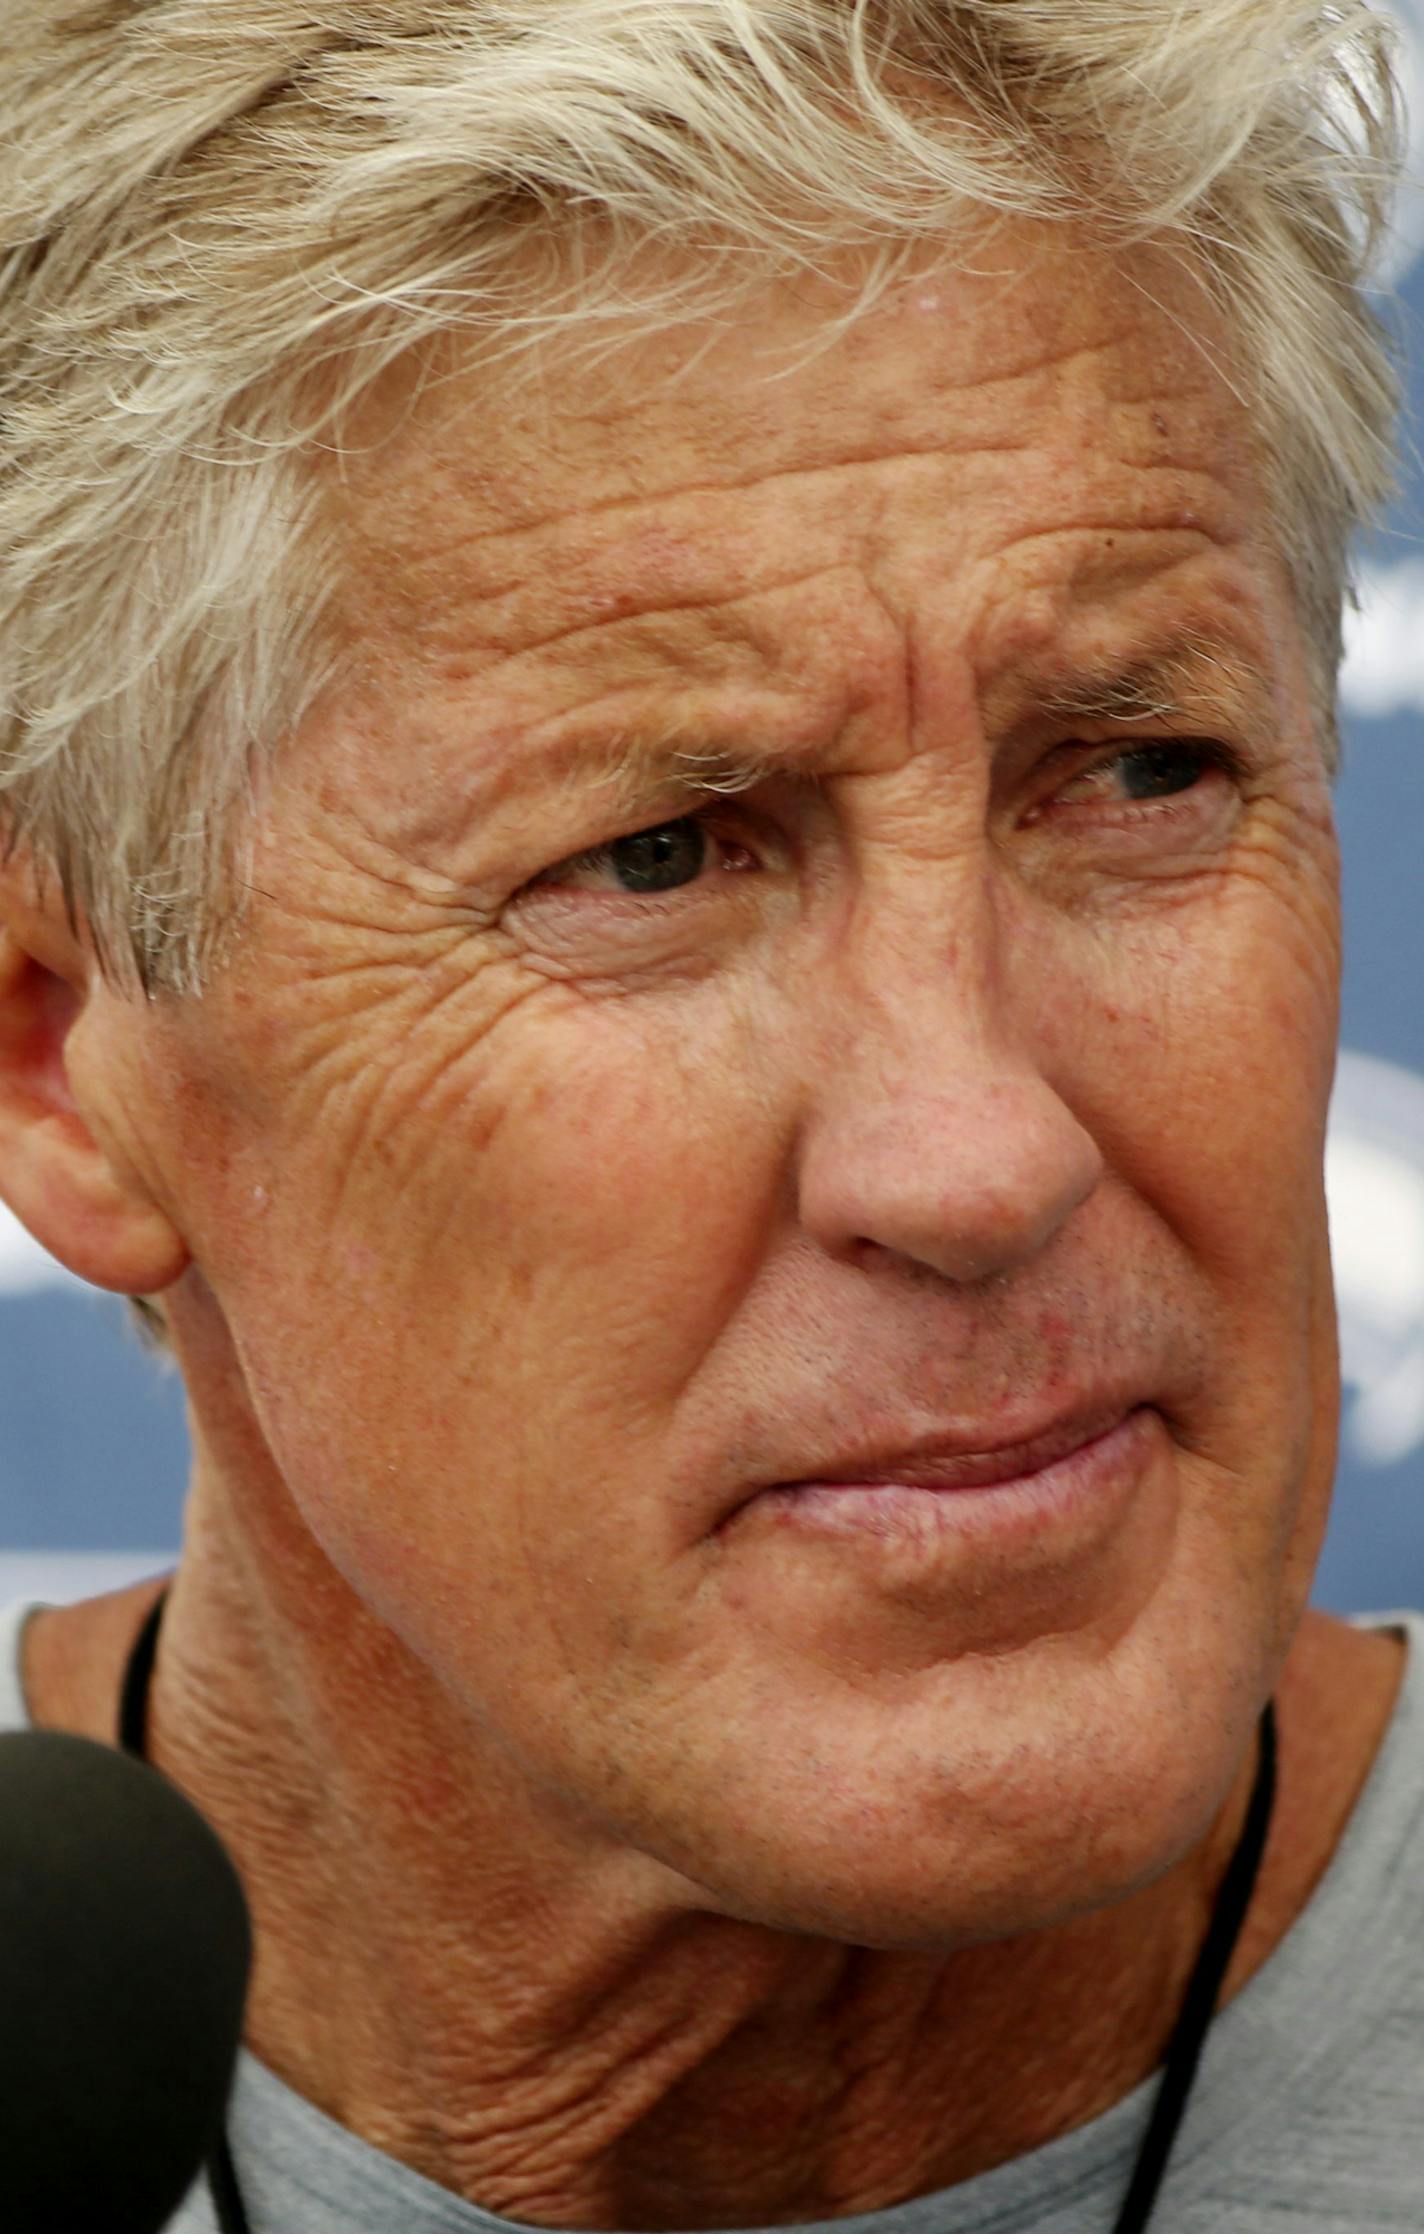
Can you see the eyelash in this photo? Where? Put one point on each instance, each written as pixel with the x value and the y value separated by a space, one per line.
pixel 707 818
pixel 1214 755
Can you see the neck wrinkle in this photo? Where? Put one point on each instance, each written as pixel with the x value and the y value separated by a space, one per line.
pixel 553 2030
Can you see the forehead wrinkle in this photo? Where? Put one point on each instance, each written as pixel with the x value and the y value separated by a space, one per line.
pixel 597 546
pixel 586 643
pixel 1162 599
pixel 706 430
pixel 602 547
pixel 706 422
pixel 1217 522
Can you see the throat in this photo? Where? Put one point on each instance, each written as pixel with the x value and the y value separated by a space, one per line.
pixel 495 2018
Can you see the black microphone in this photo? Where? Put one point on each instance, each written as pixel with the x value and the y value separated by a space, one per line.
pixel 125 1947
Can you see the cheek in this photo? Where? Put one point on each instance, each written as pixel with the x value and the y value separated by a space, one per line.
pixel 493 1313
pixel 597 1181
pixel 1206 1077
pixel 1207 1087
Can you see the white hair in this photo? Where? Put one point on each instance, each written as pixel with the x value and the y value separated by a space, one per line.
pixel 220 220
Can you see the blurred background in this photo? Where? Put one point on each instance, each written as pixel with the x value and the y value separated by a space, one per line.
pixel 93 1448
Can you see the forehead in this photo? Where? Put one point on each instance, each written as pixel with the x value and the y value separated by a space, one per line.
pixel 814 544
pixel 479 499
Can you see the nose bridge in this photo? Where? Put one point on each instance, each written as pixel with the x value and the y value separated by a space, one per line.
pixel 934 1132
pixel 932 958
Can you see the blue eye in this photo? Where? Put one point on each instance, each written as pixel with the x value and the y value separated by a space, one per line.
pixel 660 859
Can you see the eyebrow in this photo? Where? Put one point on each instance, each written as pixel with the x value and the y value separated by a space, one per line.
pixel 1159 686
pixel 1151 690
pixel 645 767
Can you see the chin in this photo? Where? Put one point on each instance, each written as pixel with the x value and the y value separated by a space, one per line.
pixel 1005 1806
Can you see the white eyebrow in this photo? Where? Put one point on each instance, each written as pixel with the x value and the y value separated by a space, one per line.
pixel 1155 687
pixel 649 766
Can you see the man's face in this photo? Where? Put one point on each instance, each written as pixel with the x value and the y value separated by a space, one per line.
pixel 577 1159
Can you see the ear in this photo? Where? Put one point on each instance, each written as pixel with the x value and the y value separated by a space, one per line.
pixel 62 1170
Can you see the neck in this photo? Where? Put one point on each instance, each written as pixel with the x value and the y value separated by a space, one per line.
pixel 551 2027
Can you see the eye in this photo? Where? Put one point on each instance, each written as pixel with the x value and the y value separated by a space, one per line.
pixel 666 857
pixel 1155 771
pixel 656 860
pixel 1158 769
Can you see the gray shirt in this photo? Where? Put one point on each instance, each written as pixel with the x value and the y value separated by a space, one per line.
pixel 1307 2116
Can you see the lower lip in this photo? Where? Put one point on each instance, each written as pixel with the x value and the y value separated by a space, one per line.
pixel 1085 1485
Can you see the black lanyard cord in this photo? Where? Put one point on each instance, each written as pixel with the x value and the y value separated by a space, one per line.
pixel 1199 2001
pixel 133 1737
pixel 1183 2051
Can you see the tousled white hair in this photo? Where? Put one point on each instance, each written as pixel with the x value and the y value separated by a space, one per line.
pixel 221 220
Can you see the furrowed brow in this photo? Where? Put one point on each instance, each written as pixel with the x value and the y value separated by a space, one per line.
pixel 665 768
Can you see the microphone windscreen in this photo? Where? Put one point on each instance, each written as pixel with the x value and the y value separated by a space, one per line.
pixel 125 1947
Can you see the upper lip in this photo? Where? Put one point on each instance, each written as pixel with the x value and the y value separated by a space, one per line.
pixel 960 1462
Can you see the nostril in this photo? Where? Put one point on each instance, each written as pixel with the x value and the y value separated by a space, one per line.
pixel 969 1185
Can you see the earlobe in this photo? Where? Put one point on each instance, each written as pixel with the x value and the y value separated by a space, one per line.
pixel 59 1171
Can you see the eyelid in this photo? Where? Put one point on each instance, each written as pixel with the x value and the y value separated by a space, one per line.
pixel 1150 740
pixel 1102 752
pixel 590 857
pixel 712 810
pixel 1076 758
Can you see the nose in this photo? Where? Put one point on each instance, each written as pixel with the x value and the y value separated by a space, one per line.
pixel 936 1137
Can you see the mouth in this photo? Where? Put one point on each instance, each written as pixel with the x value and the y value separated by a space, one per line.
pixel 956 1463
pixel 1080 1463
pixel 964 1460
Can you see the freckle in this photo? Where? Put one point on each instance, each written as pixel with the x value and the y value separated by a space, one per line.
pixel 1159 422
